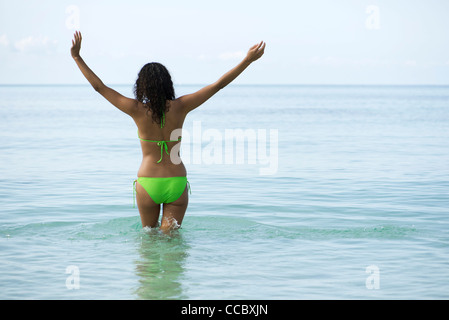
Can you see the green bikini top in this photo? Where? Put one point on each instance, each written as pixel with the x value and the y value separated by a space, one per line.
pixel 161 143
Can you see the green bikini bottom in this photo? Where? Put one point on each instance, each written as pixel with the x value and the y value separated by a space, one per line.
pixel 162 189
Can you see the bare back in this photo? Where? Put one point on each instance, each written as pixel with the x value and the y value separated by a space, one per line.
pixel 151 151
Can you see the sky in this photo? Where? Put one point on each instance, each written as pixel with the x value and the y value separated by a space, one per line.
pixel 308 42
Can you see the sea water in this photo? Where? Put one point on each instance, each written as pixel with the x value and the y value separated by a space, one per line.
pixel 355 204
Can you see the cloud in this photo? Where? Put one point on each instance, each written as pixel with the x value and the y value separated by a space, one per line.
pixel 4 42
pixel 327 61
pixel 236 55
pixel 410 63
pixel 33 44
pixel 332 61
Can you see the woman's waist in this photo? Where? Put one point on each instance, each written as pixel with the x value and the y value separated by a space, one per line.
pixel 166 168
pixel 161 153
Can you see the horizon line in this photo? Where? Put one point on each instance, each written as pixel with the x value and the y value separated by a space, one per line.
pixel 237 84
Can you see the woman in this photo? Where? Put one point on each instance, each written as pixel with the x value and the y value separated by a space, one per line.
pixel 157 114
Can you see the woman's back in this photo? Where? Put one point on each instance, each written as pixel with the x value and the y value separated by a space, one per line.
pixel 159 139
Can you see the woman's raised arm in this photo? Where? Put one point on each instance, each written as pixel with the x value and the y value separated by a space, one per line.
pixel 123 103
pixel 194 100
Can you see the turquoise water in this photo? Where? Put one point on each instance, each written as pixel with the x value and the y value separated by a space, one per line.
pixel 360 182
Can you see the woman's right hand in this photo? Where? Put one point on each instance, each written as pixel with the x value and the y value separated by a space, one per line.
pixel 255 52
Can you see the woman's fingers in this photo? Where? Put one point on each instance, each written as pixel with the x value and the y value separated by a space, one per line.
pixel 77 38
pixel 262 48
pixel 256 46
pixel 256 51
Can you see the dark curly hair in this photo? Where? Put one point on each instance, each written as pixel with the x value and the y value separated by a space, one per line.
pixel 153 88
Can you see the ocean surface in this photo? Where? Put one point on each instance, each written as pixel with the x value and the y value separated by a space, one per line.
pixel 337 192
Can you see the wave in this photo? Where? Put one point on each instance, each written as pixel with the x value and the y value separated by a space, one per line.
pixel 241 227
pixel 76 230
pixel 224 227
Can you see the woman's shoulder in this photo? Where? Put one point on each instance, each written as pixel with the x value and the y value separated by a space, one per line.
pixel 175 106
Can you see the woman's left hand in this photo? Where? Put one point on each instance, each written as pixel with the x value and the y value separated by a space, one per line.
pixel 76 45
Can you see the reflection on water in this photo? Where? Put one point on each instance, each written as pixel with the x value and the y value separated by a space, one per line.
pixel 161 265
